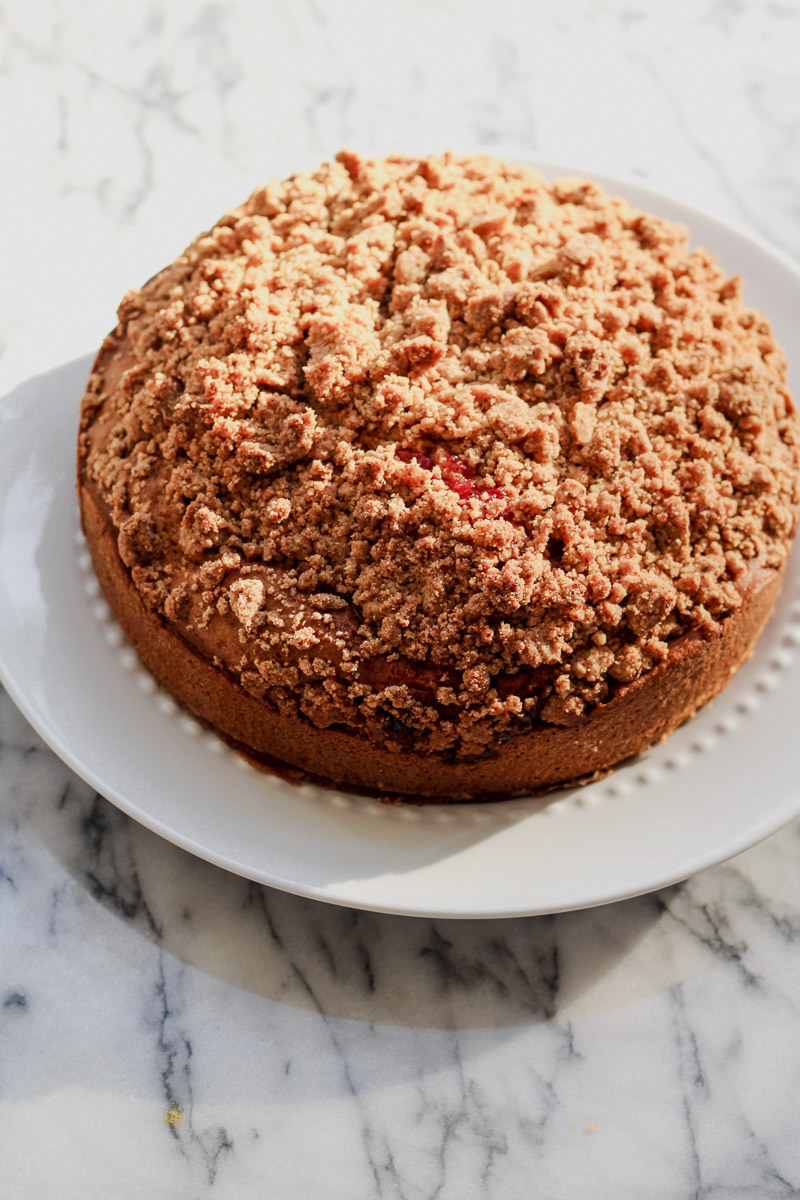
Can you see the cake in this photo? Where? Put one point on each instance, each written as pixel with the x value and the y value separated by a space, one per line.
pixel 436 478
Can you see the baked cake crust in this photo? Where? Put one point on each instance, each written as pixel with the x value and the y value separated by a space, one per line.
pixel 640 713
pixel 433 477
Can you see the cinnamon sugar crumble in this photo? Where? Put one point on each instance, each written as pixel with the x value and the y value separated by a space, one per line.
pixel 440 448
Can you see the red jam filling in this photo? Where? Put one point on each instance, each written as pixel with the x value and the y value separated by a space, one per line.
pixel 459 477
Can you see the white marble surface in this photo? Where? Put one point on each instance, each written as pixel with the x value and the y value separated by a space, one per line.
pixel 647 1050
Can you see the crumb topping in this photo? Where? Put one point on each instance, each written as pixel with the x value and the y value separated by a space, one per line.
pixel 437 448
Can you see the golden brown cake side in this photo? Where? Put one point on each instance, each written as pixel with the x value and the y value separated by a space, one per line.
pixel 640 713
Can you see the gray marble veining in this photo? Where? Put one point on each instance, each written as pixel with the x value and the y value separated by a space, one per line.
pixel 649 1048
pixel 169 1030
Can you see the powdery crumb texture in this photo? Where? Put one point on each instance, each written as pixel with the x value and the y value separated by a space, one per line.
pixel 435 447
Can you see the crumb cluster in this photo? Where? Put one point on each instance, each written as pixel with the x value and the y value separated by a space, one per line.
pixel 436 448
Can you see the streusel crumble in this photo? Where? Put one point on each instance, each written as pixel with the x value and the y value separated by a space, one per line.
pixel 439 453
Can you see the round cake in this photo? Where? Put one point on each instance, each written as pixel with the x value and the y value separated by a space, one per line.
pixel 436 478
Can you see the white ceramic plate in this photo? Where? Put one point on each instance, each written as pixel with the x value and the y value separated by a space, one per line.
pixel 721 783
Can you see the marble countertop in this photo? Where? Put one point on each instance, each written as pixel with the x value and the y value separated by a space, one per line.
pixel 169 1030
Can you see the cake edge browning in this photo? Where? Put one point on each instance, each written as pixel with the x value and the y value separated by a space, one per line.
pixel 696 669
